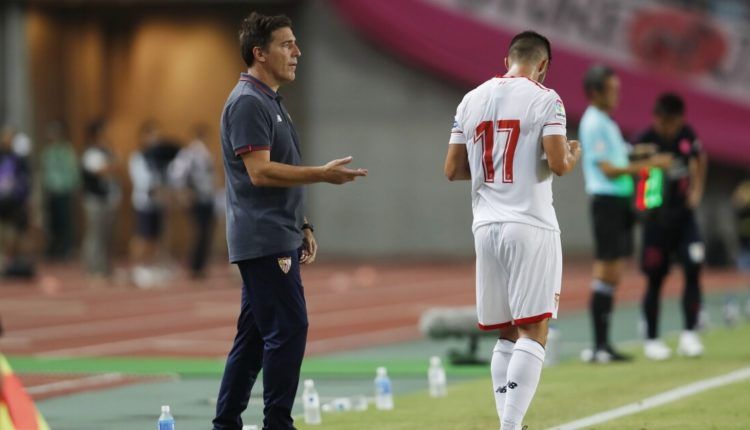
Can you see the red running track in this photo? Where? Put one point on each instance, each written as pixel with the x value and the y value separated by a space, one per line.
pixel 350 306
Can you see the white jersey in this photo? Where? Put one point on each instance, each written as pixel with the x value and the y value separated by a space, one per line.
pixel 502 123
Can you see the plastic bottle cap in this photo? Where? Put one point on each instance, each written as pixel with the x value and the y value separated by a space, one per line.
pixel 165 408
pixel 382 371
pixel 309 383
pixel 435 361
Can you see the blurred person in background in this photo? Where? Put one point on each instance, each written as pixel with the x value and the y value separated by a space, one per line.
pixel 101 198
pixel 60 181
pixel 741 203
pixel 509 136
pixel 148 173
pixel 267 233
pixel 192 172
pixel 670 231
pixel 15 190
pixel 607 171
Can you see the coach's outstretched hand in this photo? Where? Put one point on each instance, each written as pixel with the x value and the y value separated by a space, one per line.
pixel 334 171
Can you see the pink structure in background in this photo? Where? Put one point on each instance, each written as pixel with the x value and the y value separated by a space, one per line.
pixel 462 48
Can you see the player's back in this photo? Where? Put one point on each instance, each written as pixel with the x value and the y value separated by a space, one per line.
pixel 503 121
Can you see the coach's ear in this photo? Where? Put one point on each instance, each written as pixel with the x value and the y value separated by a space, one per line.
pixel 507 67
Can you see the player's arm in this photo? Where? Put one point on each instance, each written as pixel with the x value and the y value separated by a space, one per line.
pixel 266 173
pixel 456 166
pixel 643 150
pixel 562 155
pixel 662 161
pixel 698 167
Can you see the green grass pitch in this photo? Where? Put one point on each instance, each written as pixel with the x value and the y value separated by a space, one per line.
pixel 574 390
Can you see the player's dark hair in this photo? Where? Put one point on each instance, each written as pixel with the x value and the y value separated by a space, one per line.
pixel 256 30
pixel 669 104
pixel 595 78
pixel 529 46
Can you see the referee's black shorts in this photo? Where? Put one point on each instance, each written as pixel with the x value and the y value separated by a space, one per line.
pixel 612 220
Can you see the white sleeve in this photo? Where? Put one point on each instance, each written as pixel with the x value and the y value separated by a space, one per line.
pixel 553 115
pixel 457 133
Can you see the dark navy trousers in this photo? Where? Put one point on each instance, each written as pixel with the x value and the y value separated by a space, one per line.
pixel 271 335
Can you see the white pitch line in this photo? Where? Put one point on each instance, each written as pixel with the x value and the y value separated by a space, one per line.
pixel 657 400
pixel 120 346
pixel 68 384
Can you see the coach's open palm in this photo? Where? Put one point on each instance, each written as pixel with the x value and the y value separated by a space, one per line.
pixel 335 172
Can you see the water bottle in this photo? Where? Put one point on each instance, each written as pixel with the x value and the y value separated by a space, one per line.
pixel 166 421
pixel 383 390
pixel 436 378
pixel 311 403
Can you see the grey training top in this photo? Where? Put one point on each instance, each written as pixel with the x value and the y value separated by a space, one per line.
pixel 260 220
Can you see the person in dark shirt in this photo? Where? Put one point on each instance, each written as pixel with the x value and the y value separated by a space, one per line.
pixel 670 230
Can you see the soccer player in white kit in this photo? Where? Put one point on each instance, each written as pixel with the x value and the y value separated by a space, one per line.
pixel 508 138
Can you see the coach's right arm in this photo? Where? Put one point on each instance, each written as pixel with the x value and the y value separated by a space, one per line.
pixel 251 123
pixel 266 173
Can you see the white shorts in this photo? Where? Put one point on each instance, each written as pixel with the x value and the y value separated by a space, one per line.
pixel 519 274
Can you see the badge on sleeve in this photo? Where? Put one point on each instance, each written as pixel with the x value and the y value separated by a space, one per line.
pixel 559 109
pixel 285 263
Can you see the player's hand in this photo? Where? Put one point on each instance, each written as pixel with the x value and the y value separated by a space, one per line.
pixel 662 161
pixel 335 171
pixel 309 247
pixel 575 148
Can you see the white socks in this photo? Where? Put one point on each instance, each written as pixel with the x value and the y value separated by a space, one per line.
pixel 499 368
pixel 524 371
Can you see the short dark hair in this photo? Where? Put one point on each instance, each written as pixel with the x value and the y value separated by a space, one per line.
pixel 595 78
pixel 256 30
pixel 669 104
pixel 529 45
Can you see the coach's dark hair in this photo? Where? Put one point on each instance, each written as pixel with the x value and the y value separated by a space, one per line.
pixel 529 45
pixel 595 77
pixel 669 104
pixel 256 30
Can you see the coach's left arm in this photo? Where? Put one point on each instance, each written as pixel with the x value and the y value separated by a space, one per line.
pixel 457 163
pixel 309 244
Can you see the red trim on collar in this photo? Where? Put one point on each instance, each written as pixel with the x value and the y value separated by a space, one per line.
pixel 258 84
